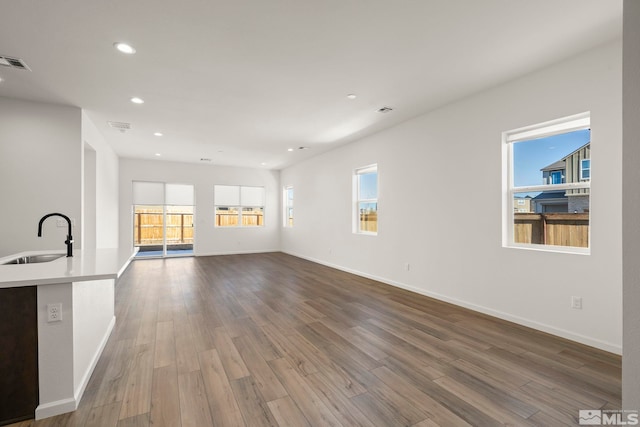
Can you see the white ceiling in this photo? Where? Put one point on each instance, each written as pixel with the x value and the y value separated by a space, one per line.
pixel 241 81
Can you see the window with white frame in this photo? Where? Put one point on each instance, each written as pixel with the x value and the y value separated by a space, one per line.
pixel 549 164
pixel 585 169
pixel 366 200
pixel 238 206
pixel 287 197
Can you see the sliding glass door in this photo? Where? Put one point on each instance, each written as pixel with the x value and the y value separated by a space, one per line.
pixel 163 219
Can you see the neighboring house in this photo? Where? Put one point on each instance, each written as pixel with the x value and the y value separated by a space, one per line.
pixel 575 167
pixel 550 202
pixel 522 204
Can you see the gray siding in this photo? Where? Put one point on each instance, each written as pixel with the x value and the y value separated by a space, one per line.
pixel 572 172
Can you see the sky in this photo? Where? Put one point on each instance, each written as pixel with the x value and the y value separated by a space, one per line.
pixel 369 186
pixel 531 156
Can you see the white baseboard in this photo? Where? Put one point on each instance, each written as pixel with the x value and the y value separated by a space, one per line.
pixel 592 342
pixel 58 407
pixel 261 251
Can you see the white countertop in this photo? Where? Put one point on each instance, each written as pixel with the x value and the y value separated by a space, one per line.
pixel 84 265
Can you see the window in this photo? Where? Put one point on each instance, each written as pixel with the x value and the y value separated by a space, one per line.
pixel 558 217
pixel 521 202
pixel 585 169
pixel 238 206
pixel 366 200
pixel 556 177
pixel 287 197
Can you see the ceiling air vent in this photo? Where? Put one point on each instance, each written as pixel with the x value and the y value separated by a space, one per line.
pixel 121 126
pixel 385 109
pixel 7 61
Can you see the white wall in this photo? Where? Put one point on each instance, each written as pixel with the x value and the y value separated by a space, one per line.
pixel 55 352
pixel 89 212
pixel 40 173
pixel 631 207
pixel 93 319
pixel 209 240
pixel 68 350
pixel 429 164
pixel 106 186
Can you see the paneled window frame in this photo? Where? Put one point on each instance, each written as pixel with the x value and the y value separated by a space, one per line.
pixel 287 206
pixel 239 206
pixel 560 126
pixel 365 200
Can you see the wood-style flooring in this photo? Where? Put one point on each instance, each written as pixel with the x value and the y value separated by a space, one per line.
pixel 274 340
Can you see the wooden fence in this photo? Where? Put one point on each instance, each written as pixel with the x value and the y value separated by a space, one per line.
pixel 369 222
pixel 148 228
pixel 559 229
pixel 231 219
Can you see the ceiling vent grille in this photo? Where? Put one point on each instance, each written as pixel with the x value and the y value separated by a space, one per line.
pixel 121 126
pixel 8 61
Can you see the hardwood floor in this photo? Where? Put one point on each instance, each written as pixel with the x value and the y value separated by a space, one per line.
pixel 274 340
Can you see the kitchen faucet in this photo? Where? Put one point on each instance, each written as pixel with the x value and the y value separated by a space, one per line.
pixel 69 241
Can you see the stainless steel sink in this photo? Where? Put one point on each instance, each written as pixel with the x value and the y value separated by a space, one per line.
pixel 33 259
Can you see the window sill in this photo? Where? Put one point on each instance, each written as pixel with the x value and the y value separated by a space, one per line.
pixel 365 233
pixel 550 248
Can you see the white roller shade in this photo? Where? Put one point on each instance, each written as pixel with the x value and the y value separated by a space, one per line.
pixel 179 194
pixel 252 196
pixel 148 193
pixel 226 195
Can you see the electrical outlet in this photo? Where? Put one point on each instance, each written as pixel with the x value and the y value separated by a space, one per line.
pixel 54 312
pixel 407 266
pixel 576 303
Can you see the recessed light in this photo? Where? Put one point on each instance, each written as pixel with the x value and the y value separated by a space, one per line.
pixel 352 96
pixel 124 48
pixel 157 133
pixel 264 163
pixel 289 149
pixel 137 100
pixel 158 154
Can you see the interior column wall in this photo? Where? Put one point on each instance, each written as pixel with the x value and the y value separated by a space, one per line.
pixel 631 207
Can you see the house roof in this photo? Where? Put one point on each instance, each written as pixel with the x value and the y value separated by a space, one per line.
pixel 548 195
pixel 560 164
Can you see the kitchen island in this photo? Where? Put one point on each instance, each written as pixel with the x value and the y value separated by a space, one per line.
pixel 69 342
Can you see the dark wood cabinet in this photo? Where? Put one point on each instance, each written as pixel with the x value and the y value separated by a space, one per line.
pixel 18 354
